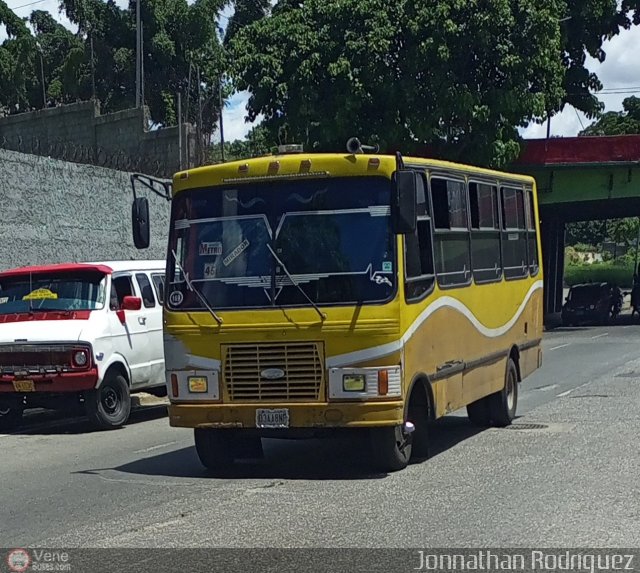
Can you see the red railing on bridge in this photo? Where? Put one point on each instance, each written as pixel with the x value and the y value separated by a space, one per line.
pixel 580 150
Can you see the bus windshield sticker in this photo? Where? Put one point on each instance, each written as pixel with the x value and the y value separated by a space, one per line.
pixel 40 294
pixel 235 253
pixel 387 267
pixel 209 270
pixel 176 298
pixel 207 249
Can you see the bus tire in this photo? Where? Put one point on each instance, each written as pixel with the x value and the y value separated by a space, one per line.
pixel 391 448
pixel 478 413
pixel 214 448
pixel 10 417
pixel 109 406
pixel 419 417
pixel 503 404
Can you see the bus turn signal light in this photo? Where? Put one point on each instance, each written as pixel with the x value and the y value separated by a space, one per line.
pixel 174 385
pixel 383 382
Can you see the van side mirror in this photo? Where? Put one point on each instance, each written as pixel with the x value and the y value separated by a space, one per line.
pixel 140 222
pixel 404 210
pixel 131 303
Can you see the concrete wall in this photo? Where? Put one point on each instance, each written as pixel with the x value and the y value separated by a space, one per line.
pixel 55 211
pixel 79 133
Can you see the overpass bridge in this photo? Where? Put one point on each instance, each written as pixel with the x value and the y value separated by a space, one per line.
pixel 579 179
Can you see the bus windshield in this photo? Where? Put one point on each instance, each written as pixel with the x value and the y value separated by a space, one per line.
pixel 52 292
pixel 332 235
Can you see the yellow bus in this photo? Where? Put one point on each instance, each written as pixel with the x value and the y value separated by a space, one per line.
pixel 310 294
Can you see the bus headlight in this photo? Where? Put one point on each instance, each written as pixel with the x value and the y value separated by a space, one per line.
pixel 198 384
pixel 354 382
pixel 365 383
pixel 194 385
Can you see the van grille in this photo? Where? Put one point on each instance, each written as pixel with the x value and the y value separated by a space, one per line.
pixel 244 366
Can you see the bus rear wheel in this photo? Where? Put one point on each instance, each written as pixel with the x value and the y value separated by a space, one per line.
pixel 498 409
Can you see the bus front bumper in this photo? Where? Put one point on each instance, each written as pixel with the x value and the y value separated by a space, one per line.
pixel 300 415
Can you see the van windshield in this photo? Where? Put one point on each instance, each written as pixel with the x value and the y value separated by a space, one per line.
pixel 52 292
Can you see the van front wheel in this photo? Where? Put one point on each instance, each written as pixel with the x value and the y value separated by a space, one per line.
pixel 109 406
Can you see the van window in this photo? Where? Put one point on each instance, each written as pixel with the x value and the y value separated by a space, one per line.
pixel 144 283
pixel 158 283
pixel 120 287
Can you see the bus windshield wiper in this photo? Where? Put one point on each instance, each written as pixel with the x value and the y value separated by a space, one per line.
pixel 192 288
pixel 322 315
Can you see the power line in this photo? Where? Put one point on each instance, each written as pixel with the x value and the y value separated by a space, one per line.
pixel 25 5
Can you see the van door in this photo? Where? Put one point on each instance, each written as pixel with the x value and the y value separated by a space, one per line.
pixel 130 335
pixel 154 329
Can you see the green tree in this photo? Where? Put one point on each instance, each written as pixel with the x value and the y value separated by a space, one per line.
pixel 618 122
pixel 457 78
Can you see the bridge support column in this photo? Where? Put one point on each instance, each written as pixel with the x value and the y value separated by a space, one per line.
pixel 552 235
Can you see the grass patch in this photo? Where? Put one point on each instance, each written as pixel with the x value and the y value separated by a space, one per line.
pixel 621 275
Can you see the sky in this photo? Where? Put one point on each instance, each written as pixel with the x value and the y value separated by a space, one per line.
pixel 619 74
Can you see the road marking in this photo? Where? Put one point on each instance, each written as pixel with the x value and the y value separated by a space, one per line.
pixel 545 388
pixel 565 393
pixel 599 336
pixel 159 446
pixel 561 346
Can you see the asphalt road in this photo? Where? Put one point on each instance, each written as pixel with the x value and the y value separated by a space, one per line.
pixel 569 481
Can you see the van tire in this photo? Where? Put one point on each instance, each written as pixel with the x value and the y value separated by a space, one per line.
pixel 391 448
pixel 109 406
pixel 214 448
pixel 10 417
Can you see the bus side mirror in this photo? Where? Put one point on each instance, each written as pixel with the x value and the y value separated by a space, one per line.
pixel 140 222
pixel 404 213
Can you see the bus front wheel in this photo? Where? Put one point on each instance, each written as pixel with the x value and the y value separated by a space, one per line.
pixel 214 448
pixel 391 448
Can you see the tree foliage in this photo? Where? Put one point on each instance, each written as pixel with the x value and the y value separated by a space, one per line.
pixel 625 122
pixel 181 46
pixel 456 77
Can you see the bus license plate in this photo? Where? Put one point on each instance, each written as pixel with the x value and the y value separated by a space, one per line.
pixel 24 386
pixel 278 418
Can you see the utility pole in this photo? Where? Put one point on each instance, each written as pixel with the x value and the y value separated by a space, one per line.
pixel 138 58
pixel 200 130
pixel 221 122
pixel 180 129
pixel 44 89
pixel 141 63
pixel 93 68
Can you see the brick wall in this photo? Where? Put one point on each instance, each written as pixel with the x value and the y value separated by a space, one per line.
pixel 56 211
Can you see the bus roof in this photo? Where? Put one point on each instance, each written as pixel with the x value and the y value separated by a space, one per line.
pixel 311 165
pixel 102 267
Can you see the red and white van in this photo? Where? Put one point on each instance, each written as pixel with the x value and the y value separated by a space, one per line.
pixel 80 333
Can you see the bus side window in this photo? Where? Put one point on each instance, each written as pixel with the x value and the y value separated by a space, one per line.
pixel 418 252
pixel 486 256
pixel 532 238
pixel 514 235
pixel 451 240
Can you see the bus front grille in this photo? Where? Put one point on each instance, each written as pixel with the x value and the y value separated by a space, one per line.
pixel 273 372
